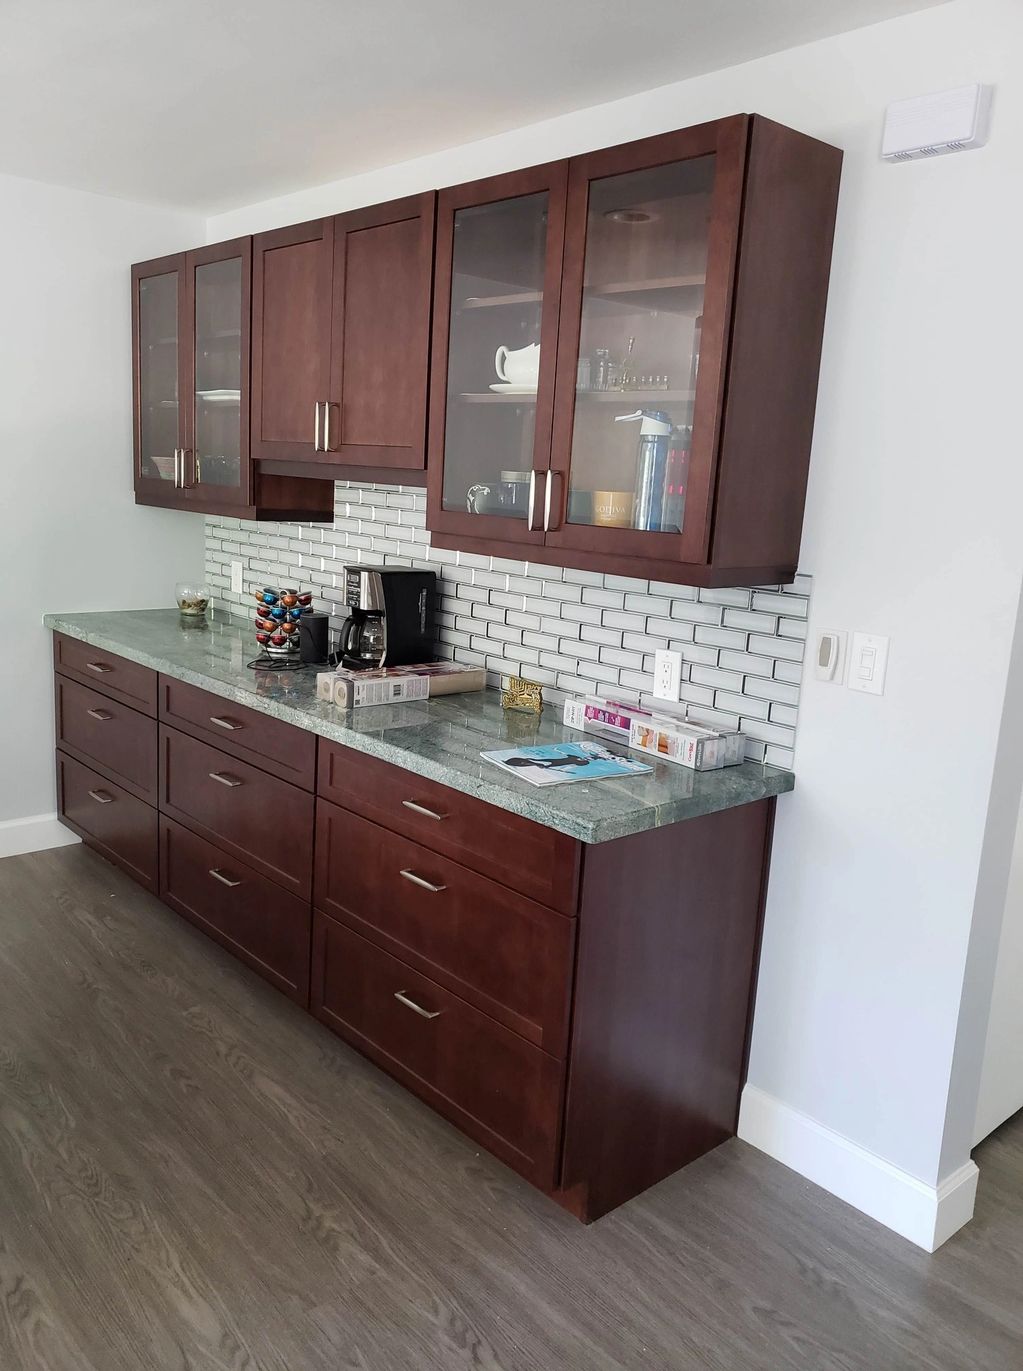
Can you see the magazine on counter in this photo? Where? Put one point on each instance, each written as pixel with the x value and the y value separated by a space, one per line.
pixel 562 763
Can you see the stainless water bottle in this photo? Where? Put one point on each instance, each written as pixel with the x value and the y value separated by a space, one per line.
pixel 654 435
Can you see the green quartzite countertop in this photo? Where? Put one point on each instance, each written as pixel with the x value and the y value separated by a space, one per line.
pixel 440 739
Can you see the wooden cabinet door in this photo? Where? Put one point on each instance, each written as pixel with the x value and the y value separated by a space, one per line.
pixel 159 338
pixel 216 469
pixel 650 257
pixel 380 335
pixel 497 288
pixel 291 303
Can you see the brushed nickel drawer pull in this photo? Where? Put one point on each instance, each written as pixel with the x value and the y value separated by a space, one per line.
pixel 401 996
pixel 422 809
pixel 418 880
pixel 316 428
pixel 100 668
pixel 225 723
pixel 101 714
pixel 224 880
pixel 225 779
pixel 101 797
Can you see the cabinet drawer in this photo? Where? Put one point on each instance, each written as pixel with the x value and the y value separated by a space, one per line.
pixel 117 824
pixel 120 742
pixel 273 746
pixel 115 676
pixel 507 955
pixel 528 857
pixel 261 924
pixel 252 816
pixel 493 1085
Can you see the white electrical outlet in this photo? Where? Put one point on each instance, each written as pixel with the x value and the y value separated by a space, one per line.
pixel 667 674
pixel 237 585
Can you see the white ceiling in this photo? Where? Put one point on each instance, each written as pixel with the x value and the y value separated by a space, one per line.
pixel 212 104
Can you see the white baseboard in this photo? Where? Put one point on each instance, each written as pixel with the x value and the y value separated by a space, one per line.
pixel 927 1215
pixel 34 834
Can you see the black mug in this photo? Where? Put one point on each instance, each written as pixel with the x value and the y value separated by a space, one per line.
pixel 312 637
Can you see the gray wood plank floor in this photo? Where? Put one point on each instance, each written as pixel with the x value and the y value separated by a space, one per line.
pixel 193 1174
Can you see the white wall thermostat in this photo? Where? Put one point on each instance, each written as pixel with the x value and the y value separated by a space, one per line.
pixel 930 125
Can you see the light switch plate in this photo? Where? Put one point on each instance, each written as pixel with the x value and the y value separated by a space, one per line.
pixel 868 662
pixel 237 587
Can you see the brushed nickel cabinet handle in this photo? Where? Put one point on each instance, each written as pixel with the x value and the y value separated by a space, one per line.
pixel 532 500
pixel 552 476
pixel 328 405
pixel 422 809
pixel 101 714
pixel 403 998
pixel 179 468
pixel 225 779
pixel 229 724
pixel 418 880
pixel 100 668
pixel 316 429
pixel 186 483
pixel 198 469
pixel 224 880
pixel 101 797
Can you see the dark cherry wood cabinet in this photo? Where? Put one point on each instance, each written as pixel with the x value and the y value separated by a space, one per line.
pixel 107 817
pixel 191 351
pixel 626 351
pixel 489 1081
pixel 341 331
pixel 251 916
pixel 582 1011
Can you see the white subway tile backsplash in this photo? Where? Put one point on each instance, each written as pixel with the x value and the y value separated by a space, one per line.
pixel 573 631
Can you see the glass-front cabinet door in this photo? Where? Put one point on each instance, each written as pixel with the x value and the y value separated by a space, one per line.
pixel 158 310
pixel 216 446
pixel 645 305
pixel 496 297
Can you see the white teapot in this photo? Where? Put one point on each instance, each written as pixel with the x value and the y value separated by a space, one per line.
pixel 518 367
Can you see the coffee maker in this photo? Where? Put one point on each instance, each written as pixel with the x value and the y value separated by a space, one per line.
pixel 391 617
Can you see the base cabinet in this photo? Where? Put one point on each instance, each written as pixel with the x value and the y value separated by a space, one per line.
pixel 484 1078
pixel 263 925
pixel 582 1011
pixel 108 818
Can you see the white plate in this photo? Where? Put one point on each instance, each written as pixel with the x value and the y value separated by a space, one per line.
pixel 513 388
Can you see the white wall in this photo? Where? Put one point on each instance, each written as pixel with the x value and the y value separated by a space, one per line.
pixel 1001 1085
pixel 912 530
pixel 71 536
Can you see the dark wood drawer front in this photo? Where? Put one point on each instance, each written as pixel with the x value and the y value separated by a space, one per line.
pixel 115 676
pixel 487 1080
pixel 528 857
pixel 117 824
pixel 120 742
pixel 252 917
pixel 268 743
pixel 255 817
pixel 510 957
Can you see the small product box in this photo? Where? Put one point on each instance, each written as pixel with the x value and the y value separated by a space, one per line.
pixel 594 714
pixel 675 741
pixel 734 741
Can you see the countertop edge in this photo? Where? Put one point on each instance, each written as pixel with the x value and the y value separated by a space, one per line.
pixel 778 782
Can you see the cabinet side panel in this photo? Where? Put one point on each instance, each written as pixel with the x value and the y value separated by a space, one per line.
pixel 669 926
pixel 780 299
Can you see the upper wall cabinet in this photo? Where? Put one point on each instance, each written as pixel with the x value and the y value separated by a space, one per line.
pixel 190 323
pixel 625 355
pixel 341 329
